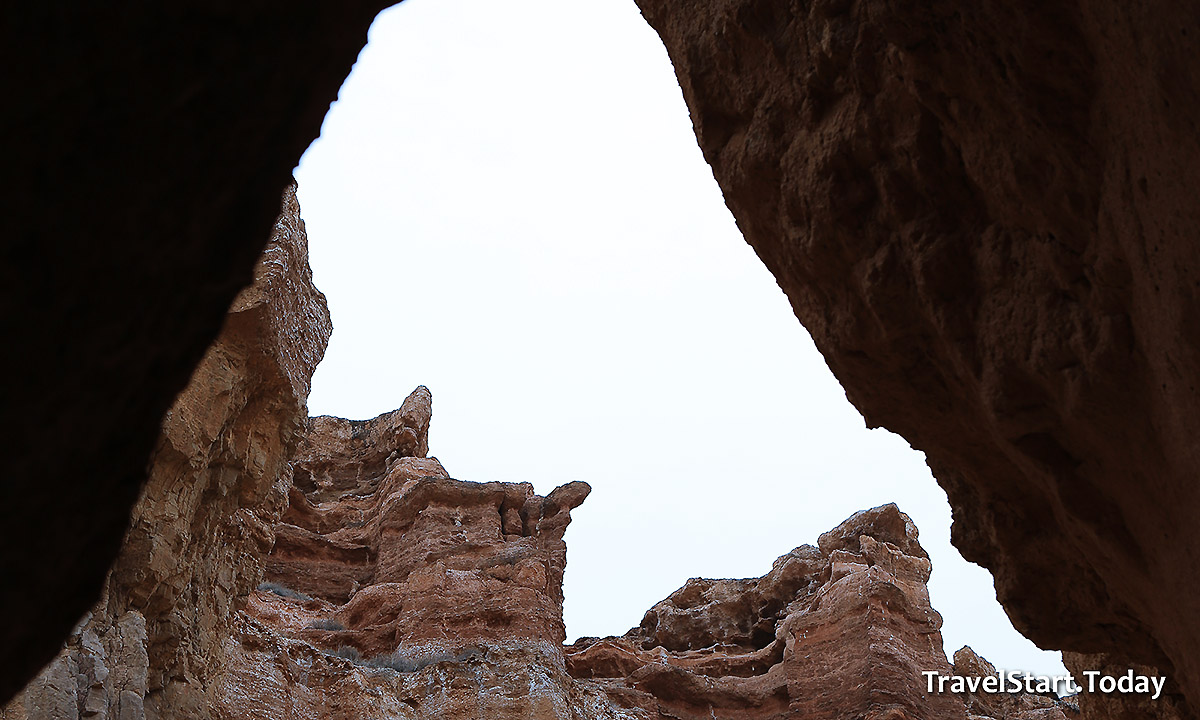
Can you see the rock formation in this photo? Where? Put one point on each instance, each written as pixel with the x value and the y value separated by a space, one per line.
pixel 218 482
pixel 1116 706
pixel 146 147
pixel 840 630
pixel 429 596
pixel 984 214
pixel 394 590
pixel 278 567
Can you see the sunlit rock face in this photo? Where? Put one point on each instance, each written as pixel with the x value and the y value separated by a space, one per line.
pixel 199 534
pixel 985 215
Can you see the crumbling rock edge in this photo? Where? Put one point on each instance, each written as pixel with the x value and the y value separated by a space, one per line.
pixel 979 213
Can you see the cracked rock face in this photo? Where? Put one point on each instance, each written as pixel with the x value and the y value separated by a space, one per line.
pixel 841 630
pixel 145 156
pixel 984 213
pixel 391 580
pixel 205 520
pixel 278 567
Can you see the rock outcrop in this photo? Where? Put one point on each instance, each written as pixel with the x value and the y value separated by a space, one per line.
pixel 840 630
pixel 278 567
pixel 145 153
pixel 395 589
pixel 984 214
pixel 452 605
pixel 204 523
pixel 1121 706
pixel 391 580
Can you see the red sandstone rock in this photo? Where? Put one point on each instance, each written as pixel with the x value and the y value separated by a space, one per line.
pixel 205 520
pixel 983 212
pixel 843 630
pixel 985 215
pixel 146 148
pixel 393 590
pixel 457 614
pixel 398 566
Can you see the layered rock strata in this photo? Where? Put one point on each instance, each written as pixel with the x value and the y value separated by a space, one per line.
pixel 389 589
pixel 146 148
pixel 394 589
pixel 844 629
pixel 204 523
pixel 984 214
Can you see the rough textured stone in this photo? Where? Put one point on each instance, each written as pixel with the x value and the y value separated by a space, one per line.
pixel 843 630
pixel 464 621
pixel 395 589
pixel 1116 706
pixel 392 590
pixel 1017 706
pixel 443 597
pixel 145 150
pixel 203 525
pixel 982 212
pixel 985 215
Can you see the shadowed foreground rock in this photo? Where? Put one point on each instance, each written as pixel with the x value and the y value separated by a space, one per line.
pixel 146 146
pixel 205 520
pixel 985 214
pixel 840 630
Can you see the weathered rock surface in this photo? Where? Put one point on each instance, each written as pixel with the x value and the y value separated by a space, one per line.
pixel 146 148
pixel 985 215
pixel 982 212
pixel 841 630
pixel 387 561
pixel 394 589
pixel 205 521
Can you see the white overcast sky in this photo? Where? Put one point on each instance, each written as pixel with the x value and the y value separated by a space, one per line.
pixel 507 205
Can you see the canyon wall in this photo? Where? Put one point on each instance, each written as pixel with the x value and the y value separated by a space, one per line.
pixel 982 212
pixel 985 215
pixel 146 146
pixel 217 484
pixel 394 590
pixel 389 589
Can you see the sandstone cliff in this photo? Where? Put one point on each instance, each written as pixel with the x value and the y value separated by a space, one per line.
pixel 278 567
pixel 393 589
pixel 985 215
pixel 982 211
pixel 217 484
pixel 843 629
pixel 399 590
